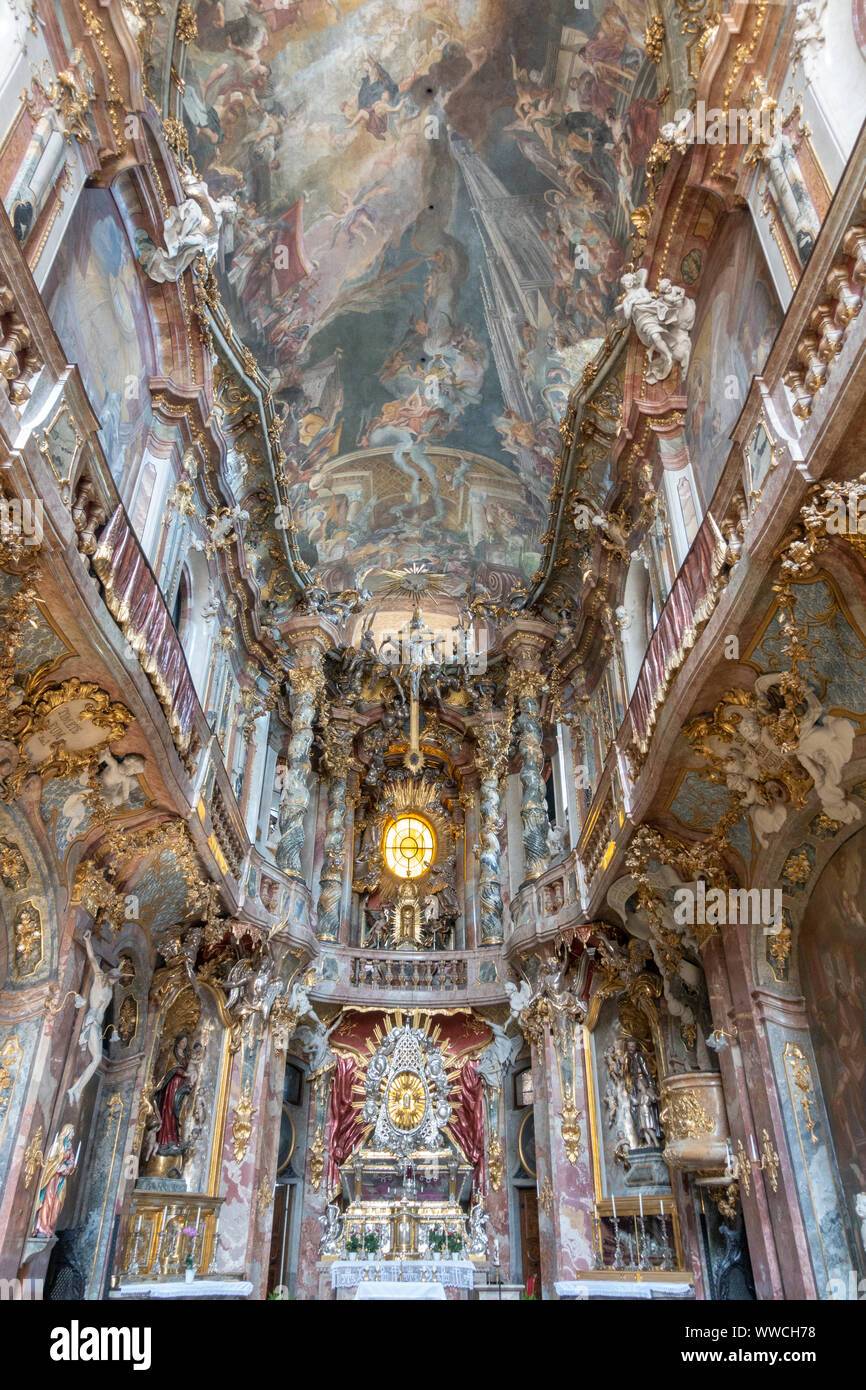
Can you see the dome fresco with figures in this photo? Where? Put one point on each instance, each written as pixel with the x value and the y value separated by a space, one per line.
pixel 433 676
pixel 434 207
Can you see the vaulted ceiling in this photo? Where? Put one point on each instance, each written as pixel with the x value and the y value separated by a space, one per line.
pixel 434 212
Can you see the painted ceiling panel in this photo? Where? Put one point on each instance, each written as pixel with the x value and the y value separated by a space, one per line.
pixel 434 204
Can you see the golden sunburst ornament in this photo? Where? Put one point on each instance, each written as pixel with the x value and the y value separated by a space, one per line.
pixel 414 582
pixel 407 1100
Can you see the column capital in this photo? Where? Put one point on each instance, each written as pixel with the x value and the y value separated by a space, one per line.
pixel 308 637
pixel 526 642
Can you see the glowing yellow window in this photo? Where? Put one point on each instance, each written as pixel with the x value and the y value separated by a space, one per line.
pixel 409 846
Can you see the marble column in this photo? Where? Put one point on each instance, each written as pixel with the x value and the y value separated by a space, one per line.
pixel 338 764
pixel 526 642
pixel 309 637
pixel 353 797
pixel 794 1252
pixel 564 1166
pixel 533 806
pixel 497 1174
pixel 489 760
pixel 471 830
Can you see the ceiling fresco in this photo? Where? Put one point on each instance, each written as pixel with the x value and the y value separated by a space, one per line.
pixel 433 215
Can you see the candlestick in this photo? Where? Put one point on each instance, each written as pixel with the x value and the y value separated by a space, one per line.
pixel 644 1261
pixel 667 1262
pixel 599 1250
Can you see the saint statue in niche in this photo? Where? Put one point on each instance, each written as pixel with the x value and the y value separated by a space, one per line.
pixel 51 1195
pixel 642 1095
pixel 170 1095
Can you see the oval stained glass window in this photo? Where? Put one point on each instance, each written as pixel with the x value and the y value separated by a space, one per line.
pixel 409 845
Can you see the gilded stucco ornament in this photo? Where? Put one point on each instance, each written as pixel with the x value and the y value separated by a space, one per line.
pixel 27 935
pixel 684 1117
pixel 62 729
pixel 14 871
pixel 570 1126
pixel 771 745
pixel 242 1124
pixel 495 1162
pixel 654 38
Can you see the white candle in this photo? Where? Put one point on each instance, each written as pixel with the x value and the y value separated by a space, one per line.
pixel 661 1207
pixel 613 1206
pixel 640 1204
pixel 754 1147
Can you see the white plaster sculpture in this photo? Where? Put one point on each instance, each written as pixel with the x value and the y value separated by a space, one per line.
pixel 298 1002
pixel 118 777
pixel 190 230
pixel 679 133
pixel 315 1043
pixel 519 997
pixel 824 748
pixel 498 1056
pixel 662 320
pixel 809 34
pixel 557 841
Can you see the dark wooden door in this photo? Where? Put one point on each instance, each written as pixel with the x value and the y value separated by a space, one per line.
pixel 529 1244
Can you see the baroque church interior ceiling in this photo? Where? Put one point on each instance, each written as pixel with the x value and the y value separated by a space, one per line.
pixel 432 716
pixel 434 210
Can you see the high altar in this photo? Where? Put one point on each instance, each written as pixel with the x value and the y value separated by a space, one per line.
pixel 407 1186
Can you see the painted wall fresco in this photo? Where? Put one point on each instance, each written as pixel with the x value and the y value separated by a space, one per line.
pixel 434 202
pixel 97 306
pixel 731 341
pixel 833 979
pixel 835 663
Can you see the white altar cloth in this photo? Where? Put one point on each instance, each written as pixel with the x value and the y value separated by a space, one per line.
pixel 451 1274
pixel 199 1288
pixel 622 1288
pixel 370 1292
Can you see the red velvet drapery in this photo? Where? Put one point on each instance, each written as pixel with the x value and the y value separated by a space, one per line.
pixel 346 1128
pixel 467 1126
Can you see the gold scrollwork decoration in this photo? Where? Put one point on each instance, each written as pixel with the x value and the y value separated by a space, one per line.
pixel 242 1125
pixel 545 1197
pixel 801 1074
pixel 684 1117
pixel 14 871
pixel 570 1126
